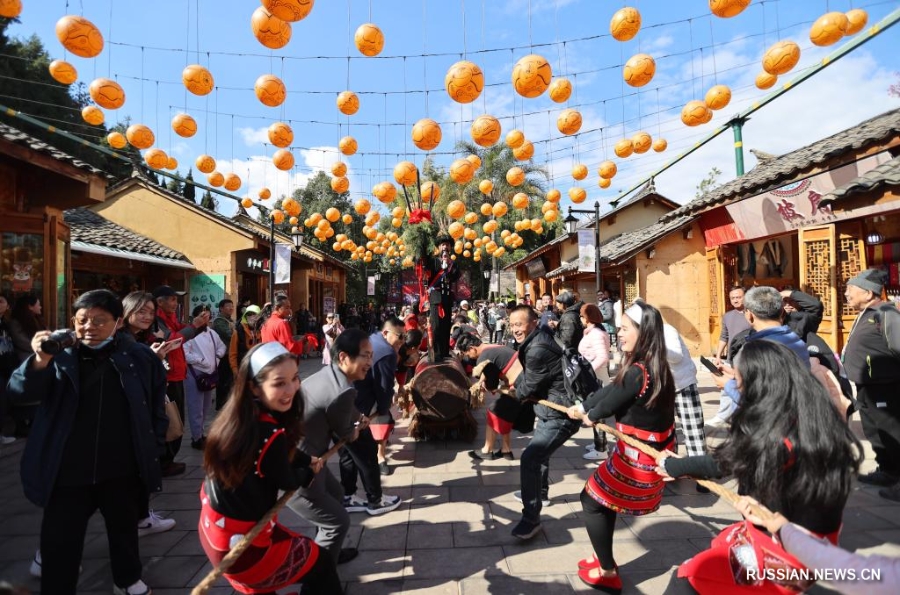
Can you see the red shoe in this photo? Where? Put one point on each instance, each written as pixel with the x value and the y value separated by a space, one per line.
pixel 607 584
pixel 589 563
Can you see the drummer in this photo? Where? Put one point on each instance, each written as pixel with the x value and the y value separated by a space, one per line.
pixel 494 364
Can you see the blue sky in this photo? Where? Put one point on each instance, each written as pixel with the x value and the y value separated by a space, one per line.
pixel 693 50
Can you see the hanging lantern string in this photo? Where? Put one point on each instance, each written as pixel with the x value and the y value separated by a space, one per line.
pixel 405 117
pixel 187 44
pixel 156 109
pixel 465 53
pixel 424 52
pixel 530 43
pixel 713 52
pixel 702 73
pixel 108 35
pixel 231 165
pixel 384 146
pixel 693 74
pixel 142 83
pixel 197 35
pixel 658 127
pixel 283 107
pixel 622 86
pixel 370 11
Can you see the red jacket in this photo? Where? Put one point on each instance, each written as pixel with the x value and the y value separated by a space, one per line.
pixel 172 329
pixel 279 330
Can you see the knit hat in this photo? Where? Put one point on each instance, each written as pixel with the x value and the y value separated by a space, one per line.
pixel 566 299
pixel 870 280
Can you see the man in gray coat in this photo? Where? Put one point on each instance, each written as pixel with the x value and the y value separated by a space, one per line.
pixel 329 415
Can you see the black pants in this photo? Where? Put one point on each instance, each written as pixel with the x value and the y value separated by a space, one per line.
pixel 226 380
pixel 600 522
pixel 440 327
pixel 880 414
pixel 360 457
pixel 175 392
pixel 65 523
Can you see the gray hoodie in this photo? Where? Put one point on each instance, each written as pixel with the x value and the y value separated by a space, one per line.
pixel 328 410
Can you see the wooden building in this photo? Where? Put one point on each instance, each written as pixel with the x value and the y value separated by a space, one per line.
pixel 37 183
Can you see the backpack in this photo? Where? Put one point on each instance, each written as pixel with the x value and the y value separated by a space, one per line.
pixel 579 377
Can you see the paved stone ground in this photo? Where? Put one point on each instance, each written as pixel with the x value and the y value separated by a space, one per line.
pixel 452 533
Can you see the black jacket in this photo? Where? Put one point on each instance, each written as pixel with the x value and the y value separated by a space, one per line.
pixel 807 318
pixel 143 381
pixel 570 330
pixel 542 375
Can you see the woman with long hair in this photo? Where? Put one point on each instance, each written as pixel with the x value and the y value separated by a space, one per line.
pixel 594 346
pixel 25 321
pixel 642 399
pixel 788 448
pixel 251 453
pixel 140 314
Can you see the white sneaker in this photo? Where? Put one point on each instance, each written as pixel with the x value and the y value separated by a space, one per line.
pixel 717 422
pixel 4 440
pixel 518 496
pixel 154 524
pixel 590 447
pixel 138 588
pixel 355 504
pixel 387 504
pixel 595 455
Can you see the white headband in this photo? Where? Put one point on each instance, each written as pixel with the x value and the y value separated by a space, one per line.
pixel 265 354
pixel 634 312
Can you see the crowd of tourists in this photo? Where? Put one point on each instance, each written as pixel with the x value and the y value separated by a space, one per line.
pixel 113 399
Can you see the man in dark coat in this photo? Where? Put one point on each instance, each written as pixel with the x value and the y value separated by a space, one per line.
pixel 442 273
pixel 569 330
pixel 96 440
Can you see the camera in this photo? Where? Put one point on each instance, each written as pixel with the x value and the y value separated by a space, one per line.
pixel 58 341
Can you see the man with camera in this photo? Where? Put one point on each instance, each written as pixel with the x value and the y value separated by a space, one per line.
pixel 96 439
pixel 168 328
pixel 442 274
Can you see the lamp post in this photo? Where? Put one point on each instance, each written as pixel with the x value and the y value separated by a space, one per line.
pixel 572 227
pixel 487 278
pixel 271 258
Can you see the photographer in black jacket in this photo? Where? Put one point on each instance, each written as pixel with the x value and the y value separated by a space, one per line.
pixel 569 329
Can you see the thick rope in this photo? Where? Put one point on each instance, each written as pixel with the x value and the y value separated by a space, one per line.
pixel 237 551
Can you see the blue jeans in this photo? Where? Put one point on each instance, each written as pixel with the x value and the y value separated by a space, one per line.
pixel 534 465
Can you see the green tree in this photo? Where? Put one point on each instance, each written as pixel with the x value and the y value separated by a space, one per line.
pixel 208 201
pixel 708 183
pixel 187 190
pixel 175 186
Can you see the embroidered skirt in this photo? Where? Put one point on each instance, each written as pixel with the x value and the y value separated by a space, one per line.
pixel 627 482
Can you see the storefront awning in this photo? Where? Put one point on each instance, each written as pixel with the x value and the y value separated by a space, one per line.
pixel 127 254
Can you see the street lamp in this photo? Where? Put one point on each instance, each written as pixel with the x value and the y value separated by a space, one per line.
pixel 572 226
pixel 377 276
pixel 297 236
pixel 487 278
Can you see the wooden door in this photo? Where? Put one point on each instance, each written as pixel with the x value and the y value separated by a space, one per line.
pixel 850 252
pixel 716 297
pixel 819 277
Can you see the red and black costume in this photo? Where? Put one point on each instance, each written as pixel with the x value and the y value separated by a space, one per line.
pixel 722 568
pixel 442 273
pixel 502 412
pixel 278 557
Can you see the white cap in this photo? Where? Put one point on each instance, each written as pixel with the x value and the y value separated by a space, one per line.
pixel 464 304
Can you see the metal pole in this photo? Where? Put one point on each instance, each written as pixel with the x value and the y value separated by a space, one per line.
pixel 737 125
pixel 271 260
pixel 597 244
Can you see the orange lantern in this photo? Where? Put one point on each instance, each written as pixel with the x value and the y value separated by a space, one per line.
pixel 623 148
pixel 520 200
pixel 362 206
pixel 197 79
pixel 10 9
pixel 515 176
pixel 332 214
pixel 660 145
pixel 426 134
pixel 781 57
pixel 764 80
pixel 531 75
pixel 499 209
pixel 551 215
pixel 246 202
pixel 270 90
pixel 641 142
pixel 79 36
pixel 569 121
pixel 694 113
pixel 405 173
pixel 63 72
pixel 385 192
pixel 455 230
pixel 515 138
pixel 430 191
pixel 289 10
pixel 456 209
pixel 340 184
pixel 232 182
pixel 140 136
pixel 464 82
pixel 369 39
pixel 156 158
pixel 264 194
pixel 490 226
pixel 625 24
pixel 283 159
pixel 560 90
pixel 461 171
pixel 486 130
pixel 347 219
pixel 856 20
pixel 829 28
pixel 205 164
pixel 184 125
pixel 277 216
pixel 471 219
pixel 338 169
pixel 92 114
pixel 281 135
pixel 347 103
pixel 553 195
pixel 577 194
pixel 107 93
pixel 116 140
pixel 718 97
pixel 486 186
pixel 639 70
pixel 215 179
pixel 579 171
pixel 524 152
pixel 271 31
pixel 348 145
pixel 475 160
pixel 608 169
pixel 728 8
pixel 604 182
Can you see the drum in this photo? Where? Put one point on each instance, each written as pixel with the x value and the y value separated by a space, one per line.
pixel 440 392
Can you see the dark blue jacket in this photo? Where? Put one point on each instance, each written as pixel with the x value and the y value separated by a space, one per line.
pixel 143 380
pixel 785 336
pixel 377 388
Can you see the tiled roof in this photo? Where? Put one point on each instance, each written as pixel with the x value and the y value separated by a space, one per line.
pixel 305 249
pixel 775 173
pixel 89 227
pixel 624 246
pixel 16 136
pixel 886 174
pixel 537 252
pixel 567 267
pixel 648 189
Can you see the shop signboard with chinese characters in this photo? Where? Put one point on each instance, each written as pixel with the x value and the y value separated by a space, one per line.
pixel 797 204
pixel 208 291
pixel 251 261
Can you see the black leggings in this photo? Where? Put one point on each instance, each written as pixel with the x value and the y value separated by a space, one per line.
pixel 600 522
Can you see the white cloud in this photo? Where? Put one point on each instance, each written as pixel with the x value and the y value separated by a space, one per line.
pixel 254 136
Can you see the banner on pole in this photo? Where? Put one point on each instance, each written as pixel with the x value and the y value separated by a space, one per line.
pixel 587 251
pixel 370 285
pixel 282 264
